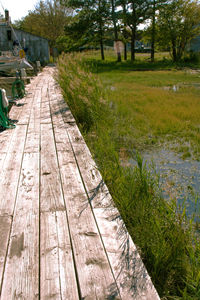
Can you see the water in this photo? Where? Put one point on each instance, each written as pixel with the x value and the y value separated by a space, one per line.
pixel 176 88
pixel 179 178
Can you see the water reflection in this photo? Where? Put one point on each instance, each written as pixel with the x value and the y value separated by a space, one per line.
pixel 178 178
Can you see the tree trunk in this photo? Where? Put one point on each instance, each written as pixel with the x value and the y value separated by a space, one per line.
pixel 174 50
pixel 181 49
pixel 124 31
pixel 125 51
pixel 115 29
pixel 101 41
pixel 102 50
pixel 133 35
pixel 153 32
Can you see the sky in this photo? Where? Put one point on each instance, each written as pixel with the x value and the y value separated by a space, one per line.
pixel 17 8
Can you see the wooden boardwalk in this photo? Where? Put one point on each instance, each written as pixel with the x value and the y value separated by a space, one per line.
pixel 60 236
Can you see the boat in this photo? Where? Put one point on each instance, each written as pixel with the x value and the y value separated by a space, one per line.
pixel 14 59
pixel 9 63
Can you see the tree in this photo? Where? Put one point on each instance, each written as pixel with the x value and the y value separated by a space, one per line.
pixel 137 13
pixel 154 7
pixel 178 23
pixel 48 20
pixel 89 24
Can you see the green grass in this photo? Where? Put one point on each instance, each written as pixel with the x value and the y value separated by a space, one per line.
pixel 132 115
pixel 148 108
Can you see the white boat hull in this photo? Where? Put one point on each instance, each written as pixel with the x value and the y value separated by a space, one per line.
pixel 8 65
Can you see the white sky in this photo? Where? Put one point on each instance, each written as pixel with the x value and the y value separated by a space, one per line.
pixel 17 8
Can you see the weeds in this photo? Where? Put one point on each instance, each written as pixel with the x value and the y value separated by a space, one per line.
pixel 82 90
pixel 166 239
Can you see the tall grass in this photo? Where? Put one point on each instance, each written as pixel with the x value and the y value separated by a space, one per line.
pixel 166 239
pixel 82 91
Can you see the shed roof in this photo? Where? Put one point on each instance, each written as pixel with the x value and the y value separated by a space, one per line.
pixel 20 30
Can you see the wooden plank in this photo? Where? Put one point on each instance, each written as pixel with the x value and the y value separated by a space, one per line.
pixel 9 175
pixel 21 278
pixel 24 244
pixel 7 135
pixel 26 111
pixel 33 134
pixel 51 193
pixel 5 139
pixel 94 273
pixel 5 225
pixel 130 273
pixel 93 269
pixel 25 104
pixel 59 106
pixel 49 257
pixel 2 159
pixel 61 138
pixel 68 282
pixel 58 280
pixel 45 109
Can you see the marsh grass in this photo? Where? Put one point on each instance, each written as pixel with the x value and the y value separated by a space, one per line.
pixel 83 91
pixel 148 107
pixel 165 237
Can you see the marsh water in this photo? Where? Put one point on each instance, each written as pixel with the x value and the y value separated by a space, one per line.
pixel 179 179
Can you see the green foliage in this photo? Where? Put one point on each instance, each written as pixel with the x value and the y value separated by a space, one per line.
pixel 88 25
pixel 48 20
pixel 178 23
pixel 165 238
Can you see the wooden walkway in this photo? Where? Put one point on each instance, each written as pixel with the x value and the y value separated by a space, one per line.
pixel 60 236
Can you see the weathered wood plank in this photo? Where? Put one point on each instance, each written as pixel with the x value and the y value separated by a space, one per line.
pixel 26 110
pixel 93 269
pixel 61 138
pixel 5 139
pixel 9 175
pixel 45 109
pixel 59 106
pixel 2 159
pixel 13 144
pixel 68 282
pixel 5 225
pixel 130 273
pixel 6 136
pixel 21 278
pixel 51 193
pixel 33 134
pixel 57 268
pixel 49 272
pixel 27 101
